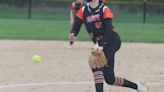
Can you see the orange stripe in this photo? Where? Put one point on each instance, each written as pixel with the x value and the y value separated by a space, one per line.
pixel 99 81
pixel 119 82
pixel 98 77
pixel 116 81
pixel 98 72
pixel 122 81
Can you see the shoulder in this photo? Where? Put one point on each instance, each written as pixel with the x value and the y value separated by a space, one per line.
pixel 73 5
pixel 106 8
pixel 107 13
pixel 80 13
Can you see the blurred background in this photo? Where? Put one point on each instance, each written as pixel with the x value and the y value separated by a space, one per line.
pixel 125 10
pixel 49 16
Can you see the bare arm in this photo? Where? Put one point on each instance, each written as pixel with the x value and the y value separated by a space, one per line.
pixel 71 17
pixel 76 25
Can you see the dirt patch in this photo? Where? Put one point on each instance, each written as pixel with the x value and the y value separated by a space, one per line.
pixel 133 61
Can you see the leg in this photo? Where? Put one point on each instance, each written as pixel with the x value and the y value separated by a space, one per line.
pixel 117 81
pixel 99 79
pixel 108 71
pixel 108 74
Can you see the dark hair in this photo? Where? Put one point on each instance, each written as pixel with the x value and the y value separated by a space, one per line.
pixel 88 0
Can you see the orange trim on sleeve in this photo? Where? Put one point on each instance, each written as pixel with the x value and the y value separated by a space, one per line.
pixel 107 13
pixel 80 14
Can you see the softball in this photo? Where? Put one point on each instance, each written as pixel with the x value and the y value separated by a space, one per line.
pixel 36 58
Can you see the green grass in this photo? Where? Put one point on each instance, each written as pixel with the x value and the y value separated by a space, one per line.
pixel 140 32
pixel 36 13
pixel 138 18
pixel 33 29
pixel 36 29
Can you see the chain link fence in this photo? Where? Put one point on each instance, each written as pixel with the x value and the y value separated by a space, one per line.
pixel 59 10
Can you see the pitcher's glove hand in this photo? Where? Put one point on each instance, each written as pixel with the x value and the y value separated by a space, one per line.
pixel 97 58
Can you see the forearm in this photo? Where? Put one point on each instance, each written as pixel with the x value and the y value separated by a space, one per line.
pixel 76 26
pixel 71 17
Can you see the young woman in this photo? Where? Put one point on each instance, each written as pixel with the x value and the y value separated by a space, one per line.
pixel 75 6
pixel 98 20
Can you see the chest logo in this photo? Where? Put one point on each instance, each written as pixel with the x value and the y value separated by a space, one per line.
pixel 93 18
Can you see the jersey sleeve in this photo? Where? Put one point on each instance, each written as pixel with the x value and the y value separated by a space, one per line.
pixel 76 26
pixel 80 13
pixel 107 13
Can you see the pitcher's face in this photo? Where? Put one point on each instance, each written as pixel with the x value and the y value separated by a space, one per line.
pixel 80 1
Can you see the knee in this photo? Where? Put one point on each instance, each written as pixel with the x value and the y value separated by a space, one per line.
pixel 117 81
pixel 109 75
pixel 110 80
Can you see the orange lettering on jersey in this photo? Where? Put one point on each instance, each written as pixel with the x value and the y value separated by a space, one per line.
pixel 107 13
pixel 93 18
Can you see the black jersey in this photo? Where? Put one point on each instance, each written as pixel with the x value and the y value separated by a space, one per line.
pixel 97 21
pixel 93 18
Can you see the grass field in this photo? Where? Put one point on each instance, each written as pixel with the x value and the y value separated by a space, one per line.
pixel 36 29
pixel 63 14
pixel 36 13
pixel 54 25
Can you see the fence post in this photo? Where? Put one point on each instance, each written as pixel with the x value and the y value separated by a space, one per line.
pixel 144 11
pixel 29 9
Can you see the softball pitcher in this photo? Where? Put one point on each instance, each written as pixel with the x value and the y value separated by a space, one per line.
pixel 75 7
pixel 97 18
